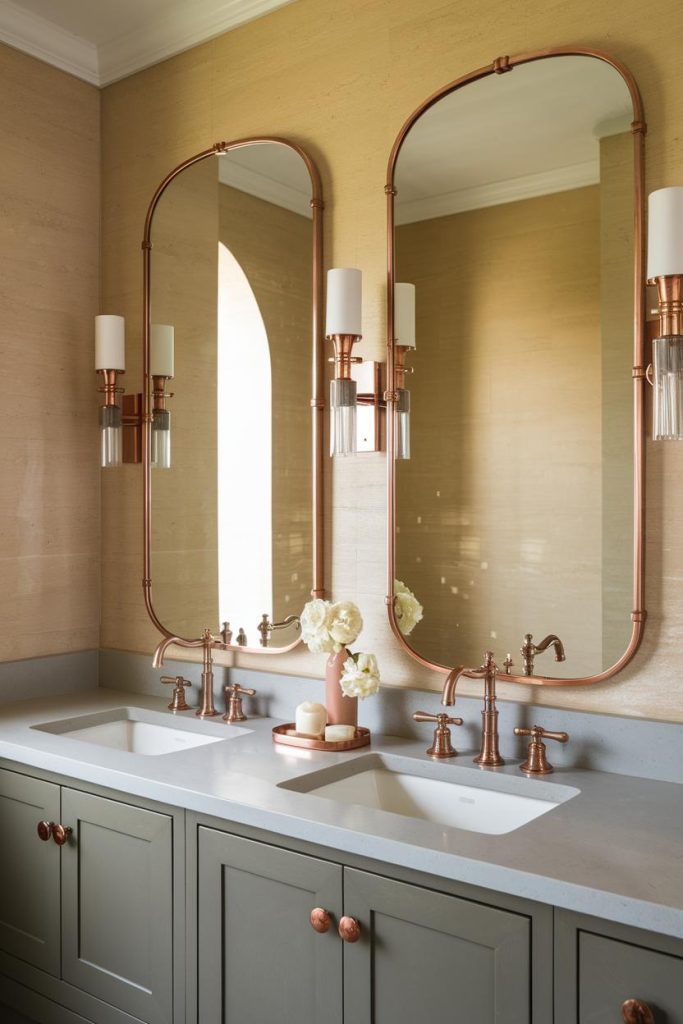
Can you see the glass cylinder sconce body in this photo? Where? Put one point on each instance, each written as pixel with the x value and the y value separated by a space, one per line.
pixel 111 436
pixel 343 417
pixel 161 439
pixel 110 362
pixel 667 382
pixel 403 424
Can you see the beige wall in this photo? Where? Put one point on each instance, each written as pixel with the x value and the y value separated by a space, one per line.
pixel 499 509
pixel 49 474
pixel 340 77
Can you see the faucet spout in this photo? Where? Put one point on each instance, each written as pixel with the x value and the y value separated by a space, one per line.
pixel 530 649
pixel 551 640
pixel 162 647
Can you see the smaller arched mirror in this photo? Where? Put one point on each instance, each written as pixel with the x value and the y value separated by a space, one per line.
pixel 233 368
pixel 516 513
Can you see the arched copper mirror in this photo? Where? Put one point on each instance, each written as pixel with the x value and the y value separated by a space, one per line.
pixel 515 209
pixel 233 385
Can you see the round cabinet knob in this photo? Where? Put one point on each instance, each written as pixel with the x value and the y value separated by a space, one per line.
pixel 349 929
pixel 634 1011
pixel 320 920
pixel 44 830
pixel 61 834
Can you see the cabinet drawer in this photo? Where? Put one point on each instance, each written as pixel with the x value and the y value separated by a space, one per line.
pixel 611 971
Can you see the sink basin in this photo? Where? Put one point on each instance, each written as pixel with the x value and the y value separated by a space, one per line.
pixel 445 795
pixel 139 731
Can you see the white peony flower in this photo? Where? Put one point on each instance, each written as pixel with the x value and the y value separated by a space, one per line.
pixel 408 608
pixel 314 632
pixel 360 677
pixel 344 623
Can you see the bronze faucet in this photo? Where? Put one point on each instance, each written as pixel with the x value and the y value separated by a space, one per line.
pixel 206 708
pixel 266 627
pixel 489 755
pixel 529 650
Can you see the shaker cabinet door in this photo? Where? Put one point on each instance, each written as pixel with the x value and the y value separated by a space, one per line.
pixel 427 956
pixel 29 872
pixel 260 960
pixel 117 905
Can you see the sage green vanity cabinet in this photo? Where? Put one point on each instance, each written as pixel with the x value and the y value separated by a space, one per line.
pixel 96 913
pixel 259 958
pixel 117 905
pixel 29 872
pixel 421 955
pixel 599 966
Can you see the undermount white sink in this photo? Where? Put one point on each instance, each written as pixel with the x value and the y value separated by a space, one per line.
pixel 445 795
pixel 139 731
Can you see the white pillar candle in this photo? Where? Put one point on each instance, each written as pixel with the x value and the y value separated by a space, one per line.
pixel 110 342
pixel 339 733
pixel 404 315
pixel 161 350
pixel 344 302
pixel 665 232
pixel 310 718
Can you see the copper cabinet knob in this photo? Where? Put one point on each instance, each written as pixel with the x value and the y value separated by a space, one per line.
pixel 44 830
pixel 634 1011
pixel 320 920
pixel 61 834
pixel 349 929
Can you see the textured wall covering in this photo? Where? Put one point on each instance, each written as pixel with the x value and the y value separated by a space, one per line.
pixel 49 475
pixel 340 77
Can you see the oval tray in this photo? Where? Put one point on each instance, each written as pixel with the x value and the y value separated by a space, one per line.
pixel 362 739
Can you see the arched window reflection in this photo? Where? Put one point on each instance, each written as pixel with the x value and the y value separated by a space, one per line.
pixel 245 558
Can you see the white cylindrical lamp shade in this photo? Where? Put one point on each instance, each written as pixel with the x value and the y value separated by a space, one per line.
pixel 110 342
pixel 404 314
pixel 665 233
pixel 161 350
pixel 344 302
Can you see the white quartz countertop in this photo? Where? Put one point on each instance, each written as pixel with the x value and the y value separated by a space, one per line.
pixel 614 851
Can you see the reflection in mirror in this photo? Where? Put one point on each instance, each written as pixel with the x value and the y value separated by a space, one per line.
pixel 514 513
pixel 232 285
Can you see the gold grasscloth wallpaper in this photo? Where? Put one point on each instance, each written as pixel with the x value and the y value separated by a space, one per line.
pixel 340 76
pixel 49 473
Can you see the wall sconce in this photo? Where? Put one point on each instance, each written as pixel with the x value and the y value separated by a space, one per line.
pixel 162 370
pixel 665 270
pixel 404 342
pixel 110 361
pixel 343 328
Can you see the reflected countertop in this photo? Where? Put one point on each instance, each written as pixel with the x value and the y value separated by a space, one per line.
pixel 614 851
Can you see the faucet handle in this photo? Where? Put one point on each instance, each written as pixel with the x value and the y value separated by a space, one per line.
pixel 536 762
pixel 178 703
pixel 233 696
pixel 441 744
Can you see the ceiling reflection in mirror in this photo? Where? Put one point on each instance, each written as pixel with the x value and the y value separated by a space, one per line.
pixel 514 513
pixel 232 285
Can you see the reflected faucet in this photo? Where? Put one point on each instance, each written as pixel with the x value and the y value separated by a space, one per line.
pixel 489 754
pixel 206 708
pixel 266 627
pixel 529 650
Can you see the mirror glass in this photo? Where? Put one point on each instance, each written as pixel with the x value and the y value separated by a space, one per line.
pixel 231 274
pixel 514 513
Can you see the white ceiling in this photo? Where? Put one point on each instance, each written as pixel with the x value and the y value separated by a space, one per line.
pixel 532 131
pixel 104 40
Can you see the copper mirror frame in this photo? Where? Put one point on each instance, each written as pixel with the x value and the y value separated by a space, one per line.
pixel 317 386
pixel 638 129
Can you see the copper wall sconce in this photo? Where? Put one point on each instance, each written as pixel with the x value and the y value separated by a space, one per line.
pixel 110 362
pixel 665 270
pixel 358 399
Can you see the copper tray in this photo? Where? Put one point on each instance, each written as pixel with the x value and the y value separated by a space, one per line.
pixel 362 739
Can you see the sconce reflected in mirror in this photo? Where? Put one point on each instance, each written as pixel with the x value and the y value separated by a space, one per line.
pixel 404 342
pixel 162 370
pixel 110 361
pixel 665 270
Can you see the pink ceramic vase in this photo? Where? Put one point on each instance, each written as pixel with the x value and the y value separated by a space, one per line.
pixel 341 710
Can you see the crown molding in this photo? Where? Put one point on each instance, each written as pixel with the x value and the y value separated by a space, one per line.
pixel 182 28
pixel 263 187
pixel 185 25
pixel 561 179
pixel 43 39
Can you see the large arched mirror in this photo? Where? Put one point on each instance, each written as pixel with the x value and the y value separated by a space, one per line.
pixel 233 377
pixel 515 212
